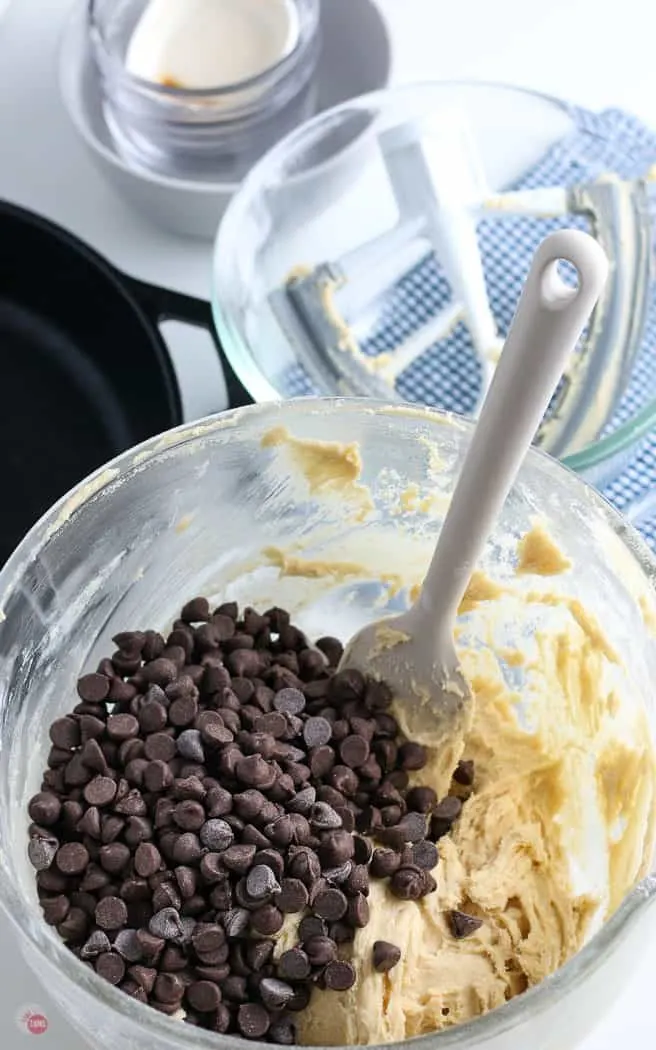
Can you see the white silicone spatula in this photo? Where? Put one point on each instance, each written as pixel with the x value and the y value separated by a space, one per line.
pixel 415 652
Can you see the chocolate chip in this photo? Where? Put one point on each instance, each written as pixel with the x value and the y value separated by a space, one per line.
pixel 425 855
pixel 65 733
pixel 114 857
pixel 321 760
pixel 349 684
pixel 385 956
pixel 344 780
pixel 97 943
pixel 275 994
pixel 127 944
pixel 324 818
pixel 395 836
pixel 357 914
pixel 463 925
pixel 151 945
pixel 384 863
pixel 289 701
pixel 412 756
pixel 261 883
pixel 421 799
pixel 166 924
pixel 187 848
pixel 147 859
pixel 332 649
pixel 354 751
pixel 445 813
pixel 100 791
pixel 357 881
pixel 330 904
pixel 168 988
pixel 157 776
pixel 413 826
pixel 293 896
pixel 111 967
pixel 304 865
pixel 339 976
pixel 144 976
pixel 294 965
pixel 253 1020
pixel 44 808
pixel 259 954
pixel 111 913
pixel 55 909
pixel 362 850
pixel 448 809
pixel 238 858
pixel 255 772
pixel 317 731
pixel 336 848
pixel 122 727
pixel 159 671
pixel 267 920
pixel 196 611
pixel 189 816
pixel 165 894
pixel 209 943
pixel 75 926
pixel 93 688
pixel 203 996
pixel 272 859
pixel 216 835
pixel 464 773
pixel 72 858
pixel 91 727
pixel 236 922
pixel 408 883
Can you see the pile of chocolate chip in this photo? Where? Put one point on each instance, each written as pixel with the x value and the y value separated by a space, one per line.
pixel 208 785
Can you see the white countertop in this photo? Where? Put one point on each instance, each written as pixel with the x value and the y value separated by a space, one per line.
pixel 595 54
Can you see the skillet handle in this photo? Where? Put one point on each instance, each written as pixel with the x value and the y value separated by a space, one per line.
pixel 162 304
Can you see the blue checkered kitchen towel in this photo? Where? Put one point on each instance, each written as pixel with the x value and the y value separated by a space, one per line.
pixel 608 141
pixel 448 374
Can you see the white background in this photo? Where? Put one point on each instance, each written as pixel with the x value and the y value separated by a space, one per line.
pixel 595 52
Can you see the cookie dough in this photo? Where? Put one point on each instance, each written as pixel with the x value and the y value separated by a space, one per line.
pixel 560 823
pixel 558 829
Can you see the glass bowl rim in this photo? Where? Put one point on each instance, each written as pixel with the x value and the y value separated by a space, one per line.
pixel 470 1033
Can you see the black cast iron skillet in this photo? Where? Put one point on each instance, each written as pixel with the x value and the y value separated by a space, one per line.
pixel 85 373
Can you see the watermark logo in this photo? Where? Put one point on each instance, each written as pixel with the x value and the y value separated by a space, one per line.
pixel 32 1020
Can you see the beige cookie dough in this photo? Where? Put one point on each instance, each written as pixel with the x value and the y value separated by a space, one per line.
pixel 539 554
pixel 328 468
pixel 560 825
pixel 558 828
pixel 556 832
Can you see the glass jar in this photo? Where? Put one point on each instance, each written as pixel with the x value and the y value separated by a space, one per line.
pixel 191 512
pixel 212 134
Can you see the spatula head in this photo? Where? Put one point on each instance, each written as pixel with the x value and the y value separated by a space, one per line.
pixel 433 702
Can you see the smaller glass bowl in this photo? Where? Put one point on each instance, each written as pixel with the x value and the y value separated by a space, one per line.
pixel 213 134
pixel 267 234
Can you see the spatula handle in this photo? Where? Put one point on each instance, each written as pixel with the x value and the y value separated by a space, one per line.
pixel 549 320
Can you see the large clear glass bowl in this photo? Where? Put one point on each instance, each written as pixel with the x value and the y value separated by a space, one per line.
pixel 190 512
pixel 324 191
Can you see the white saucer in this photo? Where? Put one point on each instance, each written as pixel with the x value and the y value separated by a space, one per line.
pixel 356 59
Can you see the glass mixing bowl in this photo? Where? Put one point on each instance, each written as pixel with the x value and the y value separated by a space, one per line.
pixel 324 191
pixel 190 512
